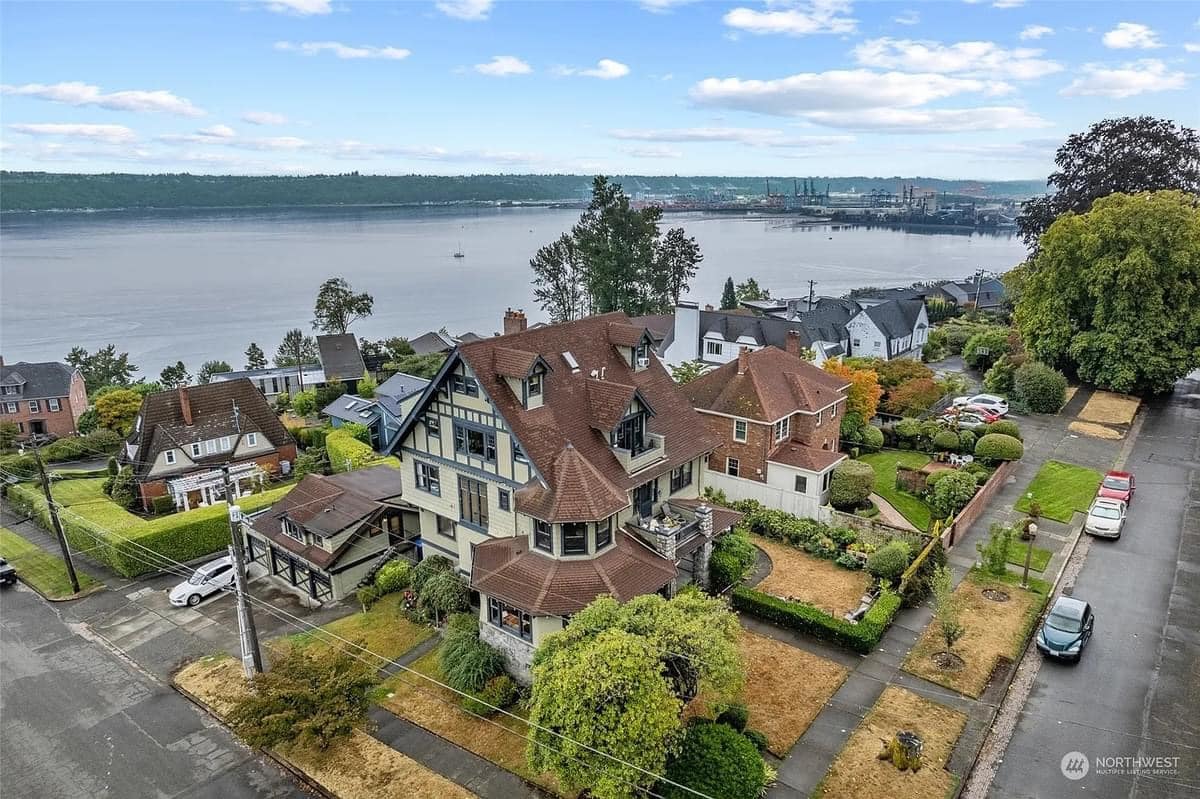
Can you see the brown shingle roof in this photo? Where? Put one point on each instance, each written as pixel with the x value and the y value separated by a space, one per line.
pixel 607 403
pixel 774 385
pixel 624 333
pixel 513 363
pixel 507 569
pixel 580 492
pixel 790 453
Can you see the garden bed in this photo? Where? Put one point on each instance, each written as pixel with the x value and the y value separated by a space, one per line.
pixel 1108 408
pixel 1096 430
pixel 357 767
pixel 858 772
pixel 821 583
pixel 1061 489
pixel 44 572
pixel 910 506
pixel 382 629
pixel 995 630
pixel 1039 561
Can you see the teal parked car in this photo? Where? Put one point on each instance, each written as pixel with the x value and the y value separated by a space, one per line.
pixel 1066 630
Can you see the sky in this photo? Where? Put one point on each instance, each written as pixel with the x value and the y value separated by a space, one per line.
pixel 983 89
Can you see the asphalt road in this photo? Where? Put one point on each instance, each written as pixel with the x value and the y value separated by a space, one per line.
pixel 76 720
pixel 1136 692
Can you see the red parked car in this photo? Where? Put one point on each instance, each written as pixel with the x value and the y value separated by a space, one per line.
pixel 1117 485
pixel 986 414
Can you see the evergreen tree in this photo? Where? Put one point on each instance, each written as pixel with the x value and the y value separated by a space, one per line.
pixel 729 299
pixel 175 376
pixel 255 357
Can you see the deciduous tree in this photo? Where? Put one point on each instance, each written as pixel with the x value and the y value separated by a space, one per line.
pixel 118 408
pixel 688 371
pixel 559 280
pixel 863 396
pixel 338 306
pixel 750 290
pixel 103 368
pixel 946 607
pixel 676 263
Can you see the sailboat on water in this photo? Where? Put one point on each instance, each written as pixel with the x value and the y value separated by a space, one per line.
pixel 459 252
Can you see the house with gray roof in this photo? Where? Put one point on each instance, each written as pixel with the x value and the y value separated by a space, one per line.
pixel 986 294
pixel 383 413
pixel 892 329
pixel 715 337
pixel 341 360
pixel 42 399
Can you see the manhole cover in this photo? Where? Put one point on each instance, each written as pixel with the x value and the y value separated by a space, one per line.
pixel 995 595
pixel 948 661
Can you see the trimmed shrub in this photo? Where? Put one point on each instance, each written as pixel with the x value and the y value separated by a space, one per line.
pixel 908 429
pixel 732 558
pixel 861 637
pixel 163 505
pixel 360 432
pixel 966 441
pixel 935 477
pixel 469 663
pixel 872 438
pixel 757 738
pixel 1041 388
pixel 735 715
pixel 393 576
pixel 428 567
pixel 951 493
pixel 851 484
pixel 946 441
pixel 714 760
pixel 445 593
pixel 889 561
pixel 1004 427
pixel 996 447
pixel 347 453
pixel 498 693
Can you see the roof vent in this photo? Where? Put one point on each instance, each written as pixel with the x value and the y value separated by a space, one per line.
pixel 571 362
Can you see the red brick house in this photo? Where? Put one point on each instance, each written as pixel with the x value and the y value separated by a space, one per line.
pixel 182 438
pixel 42 398
pixel 778 419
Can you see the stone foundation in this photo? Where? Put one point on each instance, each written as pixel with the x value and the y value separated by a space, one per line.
pixel 518 653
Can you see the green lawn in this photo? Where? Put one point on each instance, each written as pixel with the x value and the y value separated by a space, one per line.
pixel 1041 557
pixel 1061 489
pixel 381 629
pixel 885 463
pixel 43 571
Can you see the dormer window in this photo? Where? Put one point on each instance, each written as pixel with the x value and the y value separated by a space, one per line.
pixel 169 456
pixel 630 434
pixel 533 385
pixel 196 449
pixel 292 529
pixel 641 357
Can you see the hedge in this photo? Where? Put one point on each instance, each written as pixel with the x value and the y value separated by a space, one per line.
pixel 347 453
pixel 995 447
pixel 101 526
pixel 861 637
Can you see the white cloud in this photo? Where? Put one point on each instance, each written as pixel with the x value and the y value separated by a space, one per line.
pixel 1130 36
pixel 1028 150
pixel 264 118
pixel 353 149
pixel 805 19
pixel 982 59
pixel 270 143
pixel 909 17
pixel 605 69
pixel 109 134
pixel 303 8
pixel 79 93
pixel 1030 32
pixel 1008 3
pixel 217 132
pixel 344 50
pixel 1192 47
pixel 470 10
pixel 836 90
pixel 1137 77
pixel 756 137
pixel 502 66
pixel 662 6
pixel 928 120
pixel 654 152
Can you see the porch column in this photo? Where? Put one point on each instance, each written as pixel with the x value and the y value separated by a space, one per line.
pixel 704 553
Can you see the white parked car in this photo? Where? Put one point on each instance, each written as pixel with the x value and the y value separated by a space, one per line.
pixel 964 421
pixel 990 402
pixel 1105 518
pixel 207 579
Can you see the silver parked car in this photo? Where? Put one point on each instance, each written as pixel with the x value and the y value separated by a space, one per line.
pixel 1106 518
pixel 991 402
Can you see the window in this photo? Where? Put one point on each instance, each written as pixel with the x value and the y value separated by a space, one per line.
pixel 10 389
pixel 739 429
pixel 463 384
pixel 857 343
pixel 433 425
pixel 20 427
pixel 503 499
pixel 12 407
pixel 535 384
pixel 681 477
pixel 833 411
pixel 252 439
pixel 428 478
pixel 631 434
pixel 603 533
pixel 877 344
pixel 712 348
pixel 479 443
pixel 53 404
pixel 293 529
pixel 783 428
pixel 543 539
pixel 518 453
pixel 274 385
pixel 510 619
pixel 641 355
pixel 574 538
pixel 818 424
pixel 731 467
pixel 210 446
pixel 825 481
pixel 801 484
pixel 196 450
pixel 445 526
pixel 473 502
pixel 35 406
pixel 169 456
pixel 226 444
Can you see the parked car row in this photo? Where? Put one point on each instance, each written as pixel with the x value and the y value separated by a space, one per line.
pixel 1106 516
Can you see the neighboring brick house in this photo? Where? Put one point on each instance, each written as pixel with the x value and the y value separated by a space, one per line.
pixel 330 533
pixel 778 418
pixel 42 398
pixel 556 464
pixel 181 439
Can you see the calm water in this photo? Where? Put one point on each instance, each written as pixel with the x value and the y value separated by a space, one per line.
pixel 194 286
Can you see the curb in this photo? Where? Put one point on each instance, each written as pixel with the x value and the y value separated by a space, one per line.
pixel 95 589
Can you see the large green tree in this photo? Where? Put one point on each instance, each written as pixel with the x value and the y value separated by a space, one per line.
pixel 105 367
pixel 559 283
pixel 676 262
pixel 255 357
pixel 209 368
pixel 118 408
pixel 1114 294
pixel 729 298
pixel 750 290
pixel 175 375
pixel 297 349
pixel 1127 155
pixel 338 306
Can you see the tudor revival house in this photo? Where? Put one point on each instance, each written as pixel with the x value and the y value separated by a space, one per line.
pixel 182 438
pixel 556 464
pixel 778 418
pixel 329 533
pixel 41 399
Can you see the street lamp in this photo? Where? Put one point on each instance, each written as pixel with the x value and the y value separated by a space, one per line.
pixel 1031 528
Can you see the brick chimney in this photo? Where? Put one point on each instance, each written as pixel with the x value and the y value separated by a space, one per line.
pixel 743 360
pixel 791 343
pixel 185 405
pixel 708 307
pixel 514 321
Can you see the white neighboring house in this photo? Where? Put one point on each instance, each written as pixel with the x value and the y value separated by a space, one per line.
pixel 716 337
pixel 892 329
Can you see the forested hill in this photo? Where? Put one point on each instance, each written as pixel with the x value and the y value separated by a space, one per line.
pixel 41 191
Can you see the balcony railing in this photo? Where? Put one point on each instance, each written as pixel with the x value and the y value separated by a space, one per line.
pixel 669 521
pixel 653 449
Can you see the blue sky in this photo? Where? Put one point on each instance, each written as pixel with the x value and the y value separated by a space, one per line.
pixel 984 89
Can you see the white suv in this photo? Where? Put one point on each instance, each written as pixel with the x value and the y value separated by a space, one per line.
pixel 988 401
pixel 207 579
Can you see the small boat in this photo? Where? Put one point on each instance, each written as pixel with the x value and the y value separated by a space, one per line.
pixel 459 252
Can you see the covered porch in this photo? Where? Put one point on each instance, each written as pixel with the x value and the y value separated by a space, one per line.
pixel 201 489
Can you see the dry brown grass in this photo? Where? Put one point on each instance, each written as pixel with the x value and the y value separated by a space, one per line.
pixel 359 767
pixel 858 771
pixel 1095 430
pixel 1109 408
pixel 994 630
pixel 501 739
pixel 821 583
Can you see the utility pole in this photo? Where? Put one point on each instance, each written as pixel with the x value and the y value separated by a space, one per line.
pixel 251 656
pixel 978 286
pixel 58 530
pixel 811 283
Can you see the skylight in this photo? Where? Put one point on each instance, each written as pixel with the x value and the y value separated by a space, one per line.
pixel 351 405
pixel 571 362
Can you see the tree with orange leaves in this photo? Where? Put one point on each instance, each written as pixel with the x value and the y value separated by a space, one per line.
pixel 864 394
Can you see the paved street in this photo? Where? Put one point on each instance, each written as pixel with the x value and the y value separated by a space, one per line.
pixel 1137 690
pixel 79 721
